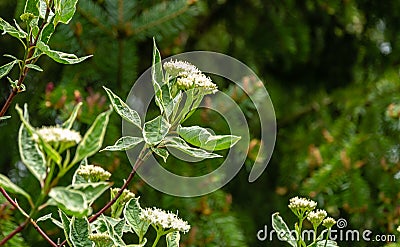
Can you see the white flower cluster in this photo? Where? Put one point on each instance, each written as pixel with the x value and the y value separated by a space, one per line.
pixel 54 134
pixel 329 222
pixel 93 173
pixel 188 76
pixel 179 68
pixel 164 219
pixel 297 203
pixel 316 217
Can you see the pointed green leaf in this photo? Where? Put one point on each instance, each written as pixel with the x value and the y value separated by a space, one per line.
pixel 6 68
pixel 113 232
pixel 78 179
pixel 172 239
pixel 15 32
pixel 31 155
pixel 92 191
pixel 155 130
pixel 66 225
pixel 70 121
pixel 50 152
pixel 180 144
pixel 157 76
pixel 282 230
pixel 132 212
pixel 47 32
pixel 79 232
pixel 34 67
pixel 163 153
pixel 64 10
pixel 93 139
pixel 32 6
pixel 172 107
pixel 9 186
pixel 72 202
pixel 123 109
pixel 44 218
pixel 202 138
pixel 124 143
pixel 60 57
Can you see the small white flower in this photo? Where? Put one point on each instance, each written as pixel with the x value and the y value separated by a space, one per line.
pixel 329 222
pixel 188 76
pixel 316 217
pixel 304 203
pixel 179 68
pixel 164 219
pixel 54 134
pixel 93 173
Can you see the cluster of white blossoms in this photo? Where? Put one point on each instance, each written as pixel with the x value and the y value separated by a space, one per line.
pixel 188 76
pixel 329 222
pixel 316 217
pixel 166 220
pixel 54 134
pixel 305 204
pixel 93 173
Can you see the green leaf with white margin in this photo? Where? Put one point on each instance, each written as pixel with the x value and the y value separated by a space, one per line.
pixel 123 109
pixel 34 67
pixel 70 121
pixel 4 117
pixel 92 191
pixel 142 244
pixel 93 138
pixel 163 153
pixel 9 186
pixel 60 57
pixel 282 230
pixel 132 212
pixel 6 68
pixel 65 225
pixel 30 153
pixel 201 137
pixel 15 32
pixel 51 153
pixel 172 239
pixel 112 232
pixel 155 130
pixel 32 6
pixel 180 144
pixel 64 10
pixel 72 202
pixel 124 143
pixel 44 218
pixel 171 109
pixel 157 76
pixel 79 232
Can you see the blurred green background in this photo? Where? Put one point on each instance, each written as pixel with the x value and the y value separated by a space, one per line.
pixel 331 68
